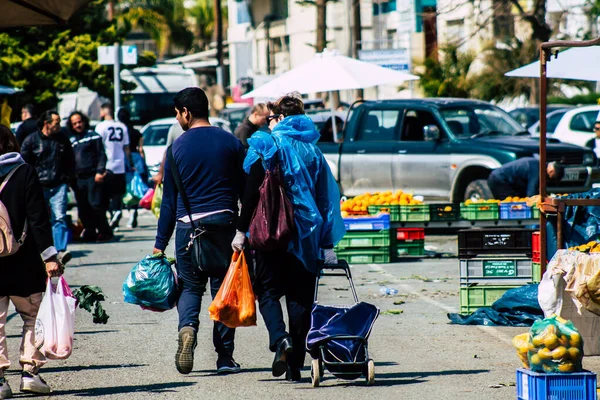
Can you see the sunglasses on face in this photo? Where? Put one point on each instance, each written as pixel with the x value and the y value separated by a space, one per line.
pixel 272 118
pixel 597 128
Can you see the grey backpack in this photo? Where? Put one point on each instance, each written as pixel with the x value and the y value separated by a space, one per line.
pixel 9 245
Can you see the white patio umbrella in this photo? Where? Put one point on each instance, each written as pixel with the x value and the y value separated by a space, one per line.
pixel 37 12
pixel 327 72
pixel 579 63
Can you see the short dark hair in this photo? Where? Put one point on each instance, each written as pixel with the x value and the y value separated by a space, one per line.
pixel 46 117
pixel 108 107
pixel 124 116
pixel 30 109
pixel 84 119
pixel 287 105
pixel 195 100
pixel 597 122
pixel 8 141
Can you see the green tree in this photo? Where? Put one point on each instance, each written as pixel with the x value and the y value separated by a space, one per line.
pixel 203 15
pixel 448 76
pixel 163 20
pixel 46 61
pixel 500 59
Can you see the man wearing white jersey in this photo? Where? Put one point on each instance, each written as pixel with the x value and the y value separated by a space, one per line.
pixel 116 145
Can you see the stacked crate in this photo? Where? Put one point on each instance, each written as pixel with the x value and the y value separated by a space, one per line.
pixel 536 257
pixel 367 240
pixel 410 242
pixel 493 261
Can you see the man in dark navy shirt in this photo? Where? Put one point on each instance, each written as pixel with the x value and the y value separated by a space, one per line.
pixel 521 178
pixel 210 163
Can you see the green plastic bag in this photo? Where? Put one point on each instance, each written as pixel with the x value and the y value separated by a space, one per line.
pixel 555 345
pixel 130 200
pixel 157 200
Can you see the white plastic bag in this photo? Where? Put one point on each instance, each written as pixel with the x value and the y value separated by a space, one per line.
pixel 55 324
pixel 550 293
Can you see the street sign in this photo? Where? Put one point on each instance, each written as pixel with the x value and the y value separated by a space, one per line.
pixel 106 55
pixel 396 59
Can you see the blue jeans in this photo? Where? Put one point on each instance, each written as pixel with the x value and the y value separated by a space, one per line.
pixel 57 200
pixel 192 282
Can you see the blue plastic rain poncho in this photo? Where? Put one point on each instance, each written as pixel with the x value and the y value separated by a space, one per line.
pixel 308 182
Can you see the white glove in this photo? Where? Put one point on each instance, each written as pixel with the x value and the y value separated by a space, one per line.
pixel 330 257
pixel 239 241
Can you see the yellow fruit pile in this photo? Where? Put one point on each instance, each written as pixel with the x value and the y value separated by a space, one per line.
pixel 516 199
pixel 554 345
pixel 490 201
pixel 359 204
pixel 590 247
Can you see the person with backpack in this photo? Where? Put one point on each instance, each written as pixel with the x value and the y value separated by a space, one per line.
pixel 203 182
pixel 28 257
pixel 289 268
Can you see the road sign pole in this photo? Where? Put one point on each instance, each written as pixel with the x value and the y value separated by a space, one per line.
pixel 117 78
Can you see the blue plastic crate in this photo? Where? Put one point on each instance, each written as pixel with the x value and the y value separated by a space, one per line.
pixel 568 386
pixel 372 223
pixel 515 211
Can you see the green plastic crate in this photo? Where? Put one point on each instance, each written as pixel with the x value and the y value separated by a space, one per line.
pixel 365 256
pixel 480 212
pixel 475 297
pixel 393 210
pixel 354 239
pixel 410 248
pixel 536 275
pixel 417 212
pixel 535 212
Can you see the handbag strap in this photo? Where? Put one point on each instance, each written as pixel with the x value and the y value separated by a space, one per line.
pixel 179 184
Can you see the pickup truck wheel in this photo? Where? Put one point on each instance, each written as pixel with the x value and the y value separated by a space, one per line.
pixel 478 190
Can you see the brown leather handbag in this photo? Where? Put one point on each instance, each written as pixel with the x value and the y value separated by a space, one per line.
pixel 272 225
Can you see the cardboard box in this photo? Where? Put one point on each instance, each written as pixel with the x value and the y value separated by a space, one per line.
pixel 588 325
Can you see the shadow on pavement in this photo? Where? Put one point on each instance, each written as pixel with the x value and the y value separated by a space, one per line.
pixel 80 253
pixel 137 239
pixel 104 263
pixel 96 332
pixel 424 374
pixel 213 372
pixel 77 368
pixel 105 391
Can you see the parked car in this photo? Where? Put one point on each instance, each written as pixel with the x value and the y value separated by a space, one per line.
pixel 577 125
pixel 527 116
pixel 235 114
pixel 441 149
pixel 155 139
pixel 552 120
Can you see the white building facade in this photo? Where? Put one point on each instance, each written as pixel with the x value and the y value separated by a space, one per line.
pixel 268 37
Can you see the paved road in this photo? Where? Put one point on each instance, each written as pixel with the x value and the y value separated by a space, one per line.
pixel 418 354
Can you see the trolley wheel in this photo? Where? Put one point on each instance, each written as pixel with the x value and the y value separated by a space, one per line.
pixel 315 373
pixel 370 377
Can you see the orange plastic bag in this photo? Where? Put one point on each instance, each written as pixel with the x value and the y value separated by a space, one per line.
pixel 234 304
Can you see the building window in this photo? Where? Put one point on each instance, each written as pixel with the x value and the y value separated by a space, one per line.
pixel 383 6
pixel 279 8
pixel 455 31
pixel 504 21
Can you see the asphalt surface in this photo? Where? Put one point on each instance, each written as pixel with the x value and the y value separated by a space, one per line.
pixel 417 354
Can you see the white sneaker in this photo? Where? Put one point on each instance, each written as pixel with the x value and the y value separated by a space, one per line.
pixel 5 392
pixel 33 384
